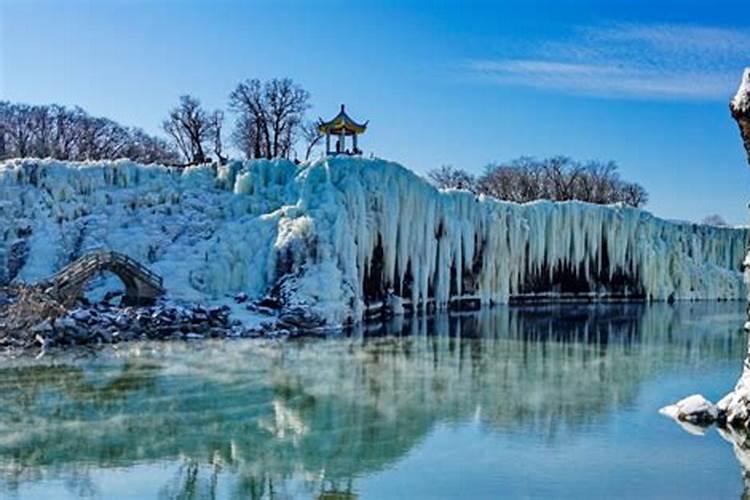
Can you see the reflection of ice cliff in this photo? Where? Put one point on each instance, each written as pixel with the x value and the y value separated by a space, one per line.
pixel 338 234
pixel 333 409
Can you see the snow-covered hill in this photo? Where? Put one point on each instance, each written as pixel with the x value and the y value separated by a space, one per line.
pixel 336 234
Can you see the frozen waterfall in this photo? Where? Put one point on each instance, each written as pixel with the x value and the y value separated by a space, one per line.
pixel 338 234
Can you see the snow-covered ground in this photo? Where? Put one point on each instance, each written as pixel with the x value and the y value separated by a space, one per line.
pixel 332 234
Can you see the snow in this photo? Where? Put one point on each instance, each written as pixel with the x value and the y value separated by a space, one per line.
pixel 741 102
pixel 323 233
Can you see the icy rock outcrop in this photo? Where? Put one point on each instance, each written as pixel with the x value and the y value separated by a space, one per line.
pixel 734 408
pixel 740 107
pixel 737 403
pixel 331 236
pixel 694 409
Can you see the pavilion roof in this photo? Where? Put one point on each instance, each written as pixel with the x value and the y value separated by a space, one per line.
pixel 341 123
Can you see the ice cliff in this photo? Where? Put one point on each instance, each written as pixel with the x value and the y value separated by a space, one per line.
pixel 338 234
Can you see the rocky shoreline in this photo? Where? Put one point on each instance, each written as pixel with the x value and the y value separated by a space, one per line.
pixel 33 323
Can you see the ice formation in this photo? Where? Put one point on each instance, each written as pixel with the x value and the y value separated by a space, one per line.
pixel 338 234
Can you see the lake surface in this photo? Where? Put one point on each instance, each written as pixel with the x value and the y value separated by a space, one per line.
pixel 510 402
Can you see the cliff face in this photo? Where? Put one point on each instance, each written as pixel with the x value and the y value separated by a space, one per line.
pixel 336 235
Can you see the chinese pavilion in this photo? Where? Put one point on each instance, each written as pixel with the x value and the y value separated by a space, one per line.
pixel 342 126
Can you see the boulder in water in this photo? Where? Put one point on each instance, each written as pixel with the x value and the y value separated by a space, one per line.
pixel 694 409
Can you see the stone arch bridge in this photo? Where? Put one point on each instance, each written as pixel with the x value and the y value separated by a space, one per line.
pixel 142 286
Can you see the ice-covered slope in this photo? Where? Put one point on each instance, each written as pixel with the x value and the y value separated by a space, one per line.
pixel 336 234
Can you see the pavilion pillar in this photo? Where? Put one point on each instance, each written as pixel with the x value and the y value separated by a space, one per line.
pixel 328 144
pixel 354 146
pixel 342 141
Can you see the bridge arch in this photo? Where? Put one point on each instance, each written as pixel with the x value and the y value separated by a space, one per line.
pixel 142 286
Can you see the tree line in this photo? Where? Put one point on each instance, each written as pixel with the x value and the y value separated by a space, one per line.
pixel 53 131
pixel 558 178
pixel 269 123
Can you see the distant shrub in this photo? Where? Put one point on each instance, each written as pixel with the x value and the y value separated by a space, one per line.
pixel 715 220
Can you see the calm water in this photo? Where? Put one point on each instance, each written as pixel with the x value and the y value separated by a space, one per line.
pixel 552 402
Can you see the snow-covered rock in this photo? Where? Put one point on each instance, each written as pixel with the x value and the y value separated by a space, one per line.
pixel 741 101
pixel 330 236
pixel 736 404
pixel 694 409
pixel 740 107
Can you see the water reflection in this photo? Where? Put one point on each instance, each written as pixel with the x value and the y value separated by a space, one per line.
pixel 252 419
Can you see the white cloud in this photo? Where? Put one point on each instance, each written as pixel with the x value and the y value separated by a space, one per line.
pixel 635 61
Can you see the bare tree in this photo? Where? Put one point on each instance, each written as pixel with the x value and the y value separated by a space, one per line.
pixel 448 177
pixel 520 181
pixel 191 128
pixel 217 123
pixel 633 194
pixel 72 134
pixel 251 130
pixel 4 116
pixel 598 183
pixel 270 116
pixel 19 129
pixel 312 136
pixel 287 104
pixel 558 178
pixel 149 149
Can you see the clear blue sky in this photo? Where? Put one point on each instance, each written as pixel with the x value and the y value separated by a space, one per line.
pixel 645 83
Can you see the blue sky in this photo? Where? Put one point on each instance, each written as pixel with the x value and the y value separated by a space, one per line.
pixel 462 83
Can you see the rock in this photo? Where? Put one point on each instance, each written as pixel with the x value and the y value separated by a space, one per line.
pixel 81 335
pixel 216 311
pixel 65 323
pixel 257 308
pixel 43 327
pixel 694 409
pixel 270 302
pixel 105 336
pixel 240 298
pixel 301 318
pixel 80 315
pixel 723 405
pixel 101 323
